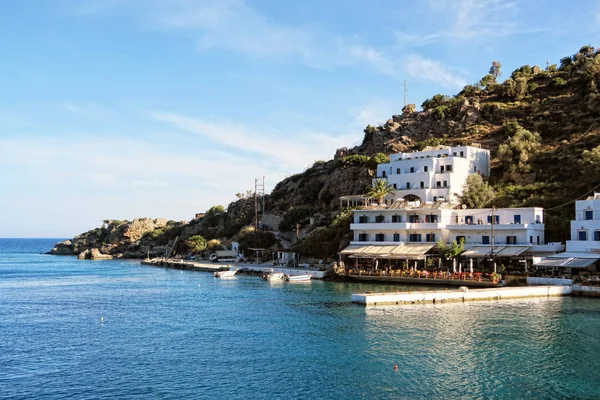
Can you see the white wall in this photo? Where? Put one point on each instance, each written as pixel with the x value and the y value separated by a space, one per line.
pixel 426 167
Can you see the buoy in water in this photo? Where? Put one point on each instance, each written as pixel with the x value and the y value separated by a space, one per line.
pixel 395 367
pixel 102 320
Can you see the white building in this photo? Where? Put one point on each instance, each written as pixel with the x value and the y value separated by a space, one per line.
pixel 583 250
pixel 436 173
pixel 405 229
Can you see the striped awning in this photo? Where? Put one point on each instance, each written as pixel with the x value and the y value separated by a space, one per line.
pixel 500 251
pixel 566 262
pixel 401 251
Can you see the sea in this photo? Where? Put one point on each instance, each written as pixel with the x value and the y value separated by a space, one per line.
pixel 74 329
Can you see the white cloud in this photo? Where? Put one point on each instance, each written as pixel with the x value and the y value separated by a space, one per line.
pixel 293 148
pixel 376 112
pixel 434 71
pixel 382 63
pixel 468 20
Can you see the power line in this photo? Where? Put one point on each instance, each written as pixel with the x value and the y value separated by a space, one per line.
pixel 573 201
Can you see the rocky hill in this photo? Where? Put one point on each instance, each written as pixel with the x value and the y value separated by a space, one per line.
pixel 541 125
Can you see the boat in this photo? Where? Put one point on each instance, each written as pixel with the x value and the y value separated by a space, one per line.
pixel 225 274
pixel 270 275
pixel 298 278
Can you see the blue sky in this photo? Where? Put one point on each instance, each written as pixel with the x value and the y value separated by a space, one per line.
pixel 116 109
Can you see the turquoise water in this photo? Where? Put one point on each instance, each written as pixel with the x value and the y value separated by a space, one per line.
pixel 172 334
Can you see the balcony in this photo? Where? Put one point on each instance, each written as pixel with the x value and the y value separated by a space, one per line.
pixel 369 226
pixel 487 226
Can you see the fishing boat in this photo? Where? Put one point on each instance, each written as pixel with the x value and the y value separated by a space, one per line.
pixel 225 274
pixel 270 275
pixel 298 278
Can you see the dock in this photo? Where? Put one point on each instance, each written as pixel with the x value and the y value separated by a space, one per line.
pixel 438 296
pixel 185 265
pixel 424 281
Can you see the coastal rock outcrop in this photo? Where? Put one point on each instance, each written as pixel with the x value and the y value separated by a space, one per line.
pixel 65 248
pixel 93 254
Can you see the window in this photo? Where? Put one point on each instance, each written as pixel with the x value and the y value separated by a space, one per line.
pixel 469 220
pixel 394 185
pixel 396 218
pixel 485 240
pixel 445 183
pixel 396 237
pixel 363 237
pixel 517 219
pixel 438 184
pixel 379 237
pixel 474 169
pixel 441 168
pixel 511 240
pixel 530 239
pixel 597 236
pixel 431 218
pixel 408 185
pixel 413 218
pixel 582 235
pixel 363 219
pixel 496 219
pixel 425 168
pixel 422 185
pixel 460 239
pixel 462 154
pixel 412 169
pixel 398 170
pixel 454 154
pixel 414 237
pixel 439 155
pixel 448 168
pixel 538 239
pixel 383 174
pixel 430 237
pixel 380 219
pixel 589 214
pixel 538 219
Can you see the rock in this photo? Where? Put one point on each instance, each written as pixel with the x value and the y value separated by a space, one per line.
pixel 340 153
pixel 409 110
pixel 135 230
pixel 64 248
pixel 391 125
pixel 536 69
pixel 93 254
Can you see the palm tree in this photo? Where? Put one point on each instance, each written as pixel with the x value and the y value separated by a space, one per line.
pixel 379 190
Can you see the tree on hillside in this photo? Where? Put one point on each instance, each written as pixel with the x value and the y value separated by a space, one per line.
pixel 476 192
pixel 487 81
pixel 516 151
pixel 379 190
pixel 196 244
pixel 590 161
pixel 495 70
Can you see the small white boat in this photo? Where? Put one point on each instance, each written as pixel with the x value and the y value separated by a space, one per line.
pixel 270 275
pixel 298 278
pixel 225 274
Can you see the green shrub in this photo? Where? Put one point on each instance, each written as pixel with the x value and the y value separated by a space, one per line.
pixel 355 159
pixel 558 82
pixel 435 101
pixel 441 112
pixel 532 87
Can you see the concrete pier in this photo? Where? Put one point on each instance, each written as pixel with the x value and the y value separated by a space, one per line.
pixel 186 265
pixel 438 296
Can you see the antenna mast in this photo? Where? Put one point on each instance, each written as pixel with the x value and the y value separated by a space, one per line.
pixel 405 93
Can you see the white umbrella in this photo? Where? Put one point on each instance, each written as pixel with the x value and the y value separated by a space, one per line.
pixel 454 265
pixel 470 265
pixel 459 268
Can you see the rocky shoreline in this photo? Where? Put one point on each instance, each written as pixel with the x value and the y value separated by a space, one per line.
pixel 135 239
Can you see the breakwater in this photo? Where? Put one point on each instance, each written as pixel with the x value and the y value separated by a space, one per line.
pixel 434 296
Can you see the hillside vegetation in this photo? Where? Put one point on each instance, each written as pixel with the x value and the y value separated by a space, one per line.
pixel 541 125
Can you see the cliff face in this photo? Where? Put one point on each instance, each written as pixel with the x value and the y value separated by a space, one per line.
pixel 541 126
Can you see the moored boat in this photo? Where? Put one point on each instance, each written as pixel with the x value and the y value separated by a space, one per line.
pixel 298 278
pixel 270 275
pixel 225 274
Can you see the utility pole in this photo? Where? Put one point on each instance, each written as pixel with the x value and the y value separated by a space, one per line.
pixel 492 251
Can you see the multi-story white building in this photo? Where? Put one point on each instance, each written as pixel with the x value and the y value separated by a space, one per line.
pixel 583 250
pixel 403 229
pixel 436 173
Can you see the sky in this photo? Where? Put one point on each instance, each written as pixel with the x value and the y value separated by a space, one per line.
pixel 117 109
